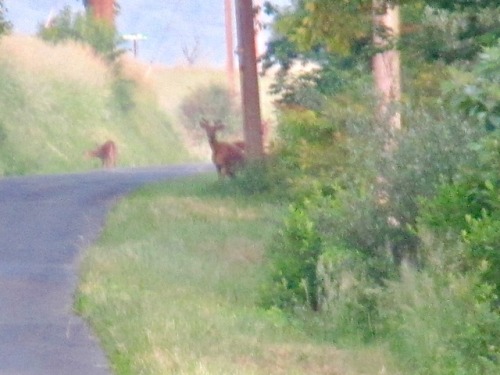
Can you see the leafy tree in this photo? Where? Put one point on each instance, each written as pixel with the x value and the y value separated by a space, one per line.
pixel 477 93
pixel 82 27
pixel 432 29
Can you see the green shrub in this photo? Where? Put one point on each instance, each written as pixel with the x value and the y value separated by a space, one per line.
pixel 123 90
pixel 431 150
pixel 439 322
pixel 263 177
pixel 343 194
pixel 292 259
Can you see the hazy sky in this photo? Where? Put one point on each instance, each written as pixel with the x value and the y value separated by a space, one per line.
pixel 169 25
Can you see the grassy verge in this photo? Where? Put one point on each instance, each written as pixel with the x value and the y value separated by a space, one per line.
pixel 171 288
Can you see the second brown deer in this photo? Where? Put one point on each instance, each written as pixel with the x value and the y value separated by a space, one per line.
pixel 106 152
pixel 226 156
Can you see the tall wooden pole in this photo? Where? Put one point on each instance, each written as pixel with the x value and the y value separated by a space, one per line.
pixel 386 63
pixel 252 123
pixel 230 46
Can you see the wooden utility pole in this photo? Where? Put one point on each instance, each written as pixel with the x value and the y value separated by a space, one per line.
pixel 230 46
pixel 102 9
pixel 252 123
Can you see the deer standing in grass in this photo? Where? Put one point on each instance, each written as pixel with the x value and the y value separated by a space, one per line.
pixel 106 152
pixel 226 156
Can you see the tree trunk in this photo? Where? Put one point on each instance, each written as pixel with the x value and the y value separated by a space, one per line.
pixel 386 63
pixel 102 10
pixel 252 123
pixel 387 78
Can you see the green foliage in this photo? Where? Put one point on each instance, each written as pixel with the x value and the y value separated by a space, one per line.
pixel 439 322
pixel 336 26
pixel 462 4
pixel 343 148
pixel 262 177
pixel 293 258
pixel 123 90
pixel 348 294
pixel 470 208
pixel 453 36
pixel 85 28
pixel 334 162
pixel 477 93
pixel 431 150
pixel 212 102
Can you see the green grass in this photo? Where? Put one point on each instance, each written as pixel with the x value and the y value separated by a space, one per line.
pixel 172 287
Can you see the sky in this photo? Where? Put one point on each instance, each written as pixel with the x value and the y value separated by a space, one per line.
pixel 169 25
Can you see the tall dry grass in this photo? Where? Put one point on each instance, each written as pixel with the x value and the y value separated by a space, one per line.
pixel 65 61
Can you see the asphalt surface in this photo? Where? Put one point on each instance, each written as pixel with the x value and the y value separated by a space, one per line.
pixel 46 222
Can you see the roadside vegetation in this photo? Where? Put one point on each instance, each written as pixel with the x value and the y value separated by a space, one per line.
pixel 173 287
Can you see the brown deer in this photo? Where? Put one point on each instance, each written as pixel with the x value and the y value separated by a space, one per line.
pixel 106 152
pixel 226 156
pixel 240 144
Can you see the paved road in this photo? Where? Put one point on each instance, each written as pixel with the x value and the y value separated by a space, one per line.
pixel 45 222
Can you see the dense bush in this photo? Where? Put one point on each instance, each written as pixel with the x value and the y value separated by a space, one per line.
pixel 351 160
pixel 470 209
pixel 213 102
pixel 293 259
pixel 476 92
pixel 366 243
pixel 404 238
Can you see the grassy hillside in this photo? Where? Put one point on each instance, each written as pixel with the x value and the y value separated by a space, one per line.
pixel 58 101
